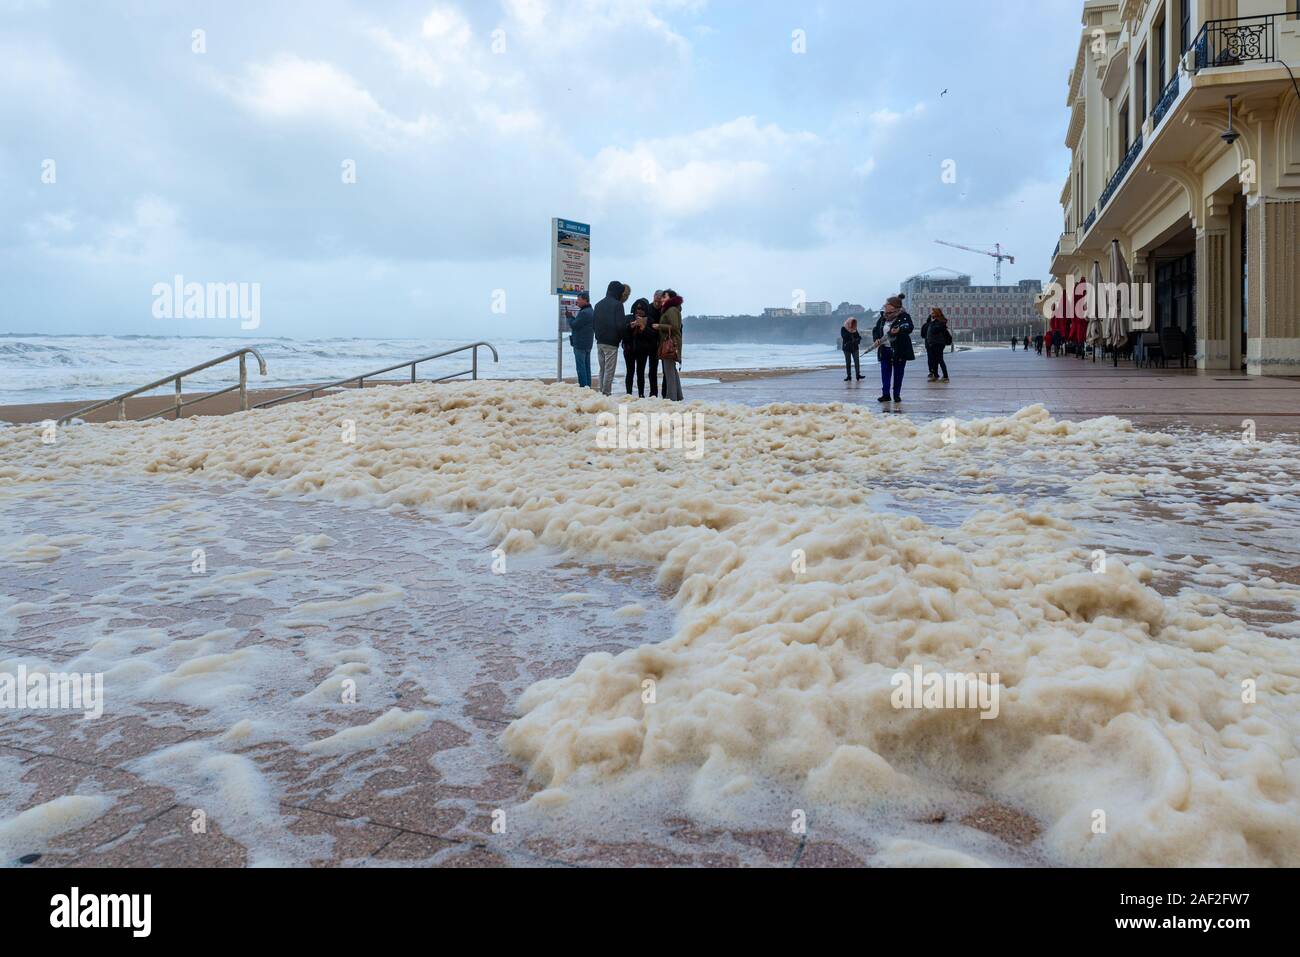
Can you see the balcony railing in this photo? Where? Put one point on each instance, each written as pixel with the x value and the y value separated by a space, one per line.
pixel 1115 181
pixel 1092 218
pixel 1166 100
pixel 1236 41
pixel 1057 251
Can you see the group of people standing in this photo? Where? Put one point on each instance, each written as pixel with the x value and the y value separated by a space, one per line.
pixel 892 342
pixel 650 338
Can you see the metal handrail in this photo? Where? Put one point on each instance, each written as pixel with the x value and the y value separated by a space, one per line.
pixel 1167 98
pixel 176 377
pixel 360 380
pixel 1236 40
pixel 1117 179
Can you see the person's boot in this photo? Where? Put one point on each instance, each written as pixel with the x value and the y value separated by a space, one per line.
pixel 883 398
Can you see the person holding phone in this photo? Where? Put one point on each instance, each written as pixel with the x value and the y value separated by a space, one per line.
pixel 892 340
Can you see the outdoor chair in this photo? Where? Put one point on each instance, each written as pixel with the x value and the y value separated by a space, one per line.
pixel 1149 349
pixel 1172 346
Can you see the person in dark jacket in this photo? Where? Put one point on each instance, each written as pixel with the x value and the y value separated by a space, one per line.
pixel 611 328
pixel 640 342
pixel 581 337
pixel 652 341
pixel 893 338
pixel 936 337
pixel 851 344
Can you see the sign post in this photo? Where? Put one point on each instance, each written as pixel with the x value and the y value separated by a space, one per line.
pixel 570 275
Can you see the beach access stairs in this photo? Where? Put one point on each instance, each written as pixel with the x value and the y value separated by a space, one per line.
pixel 177 408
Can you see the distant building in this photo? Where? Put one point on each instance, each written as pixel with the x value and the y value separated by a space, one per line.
pixel 972 307
pixel 849 309
pixel 818 309
pixel 777 313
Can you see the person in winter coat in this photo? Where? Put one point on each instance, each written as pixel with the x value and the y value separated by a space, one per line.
pixel 893 337
pixel 636 350
pixel 650 341
pixel 851 344
pixel 611 327
pixel 936 338
pixel 581 337
pixel 669 328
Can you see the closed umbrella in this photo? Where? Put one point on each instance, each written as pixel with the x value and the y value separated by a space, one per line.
pixel 1096 334
pixel 1120 322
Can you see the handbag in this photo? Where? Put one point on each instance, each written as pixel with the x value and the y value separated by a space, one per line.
pixel 668 350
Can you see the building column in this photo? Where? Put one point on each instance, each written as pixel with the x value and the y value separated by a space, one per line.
pixel 1213 285
pixel 1273 290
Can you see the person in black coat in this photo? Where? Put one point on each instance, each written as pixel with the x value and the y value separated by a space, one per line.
pixel 936 338
pixel 893 338
pixel 649 341
pixel 851 343
pixel 642 342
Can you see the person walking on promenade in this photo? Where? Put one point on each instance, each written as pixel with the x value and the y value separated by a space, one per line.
pixel 669 328
pixel 611 327
pixel 851 344
pixel 936 338
pixel 892 337
pixel 641 342
pixel 1026 343
pixel 1014 340
pixel 581 337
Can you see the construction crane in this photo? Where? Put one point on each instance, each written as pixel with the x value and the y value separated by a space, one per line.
pixel 997 254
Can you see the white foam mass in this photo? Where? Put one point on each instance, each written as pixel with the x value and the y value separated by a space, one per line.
pixel 34 828
pixel 799 598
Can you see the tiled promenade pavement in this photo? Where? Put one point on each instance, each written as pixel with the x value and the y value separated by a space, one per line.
pixel 999 381
pixel 248 640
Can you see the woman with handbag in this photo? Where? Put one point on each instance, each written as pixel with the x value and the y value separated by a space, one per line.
pixel 669 328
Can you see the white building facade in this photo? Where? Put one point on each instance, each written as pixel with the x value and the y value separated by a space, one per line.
pixel 1212 223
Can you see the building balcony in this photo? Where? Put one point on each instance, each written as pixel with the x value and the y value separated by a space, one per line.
pixel 1061 256
pixel 1246 57
pixel 1236 41
pixel 1118 179
pixel 1166 101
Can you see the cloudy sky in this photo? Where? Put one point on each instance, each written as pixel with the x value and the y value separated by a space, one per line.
pixel 706 151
